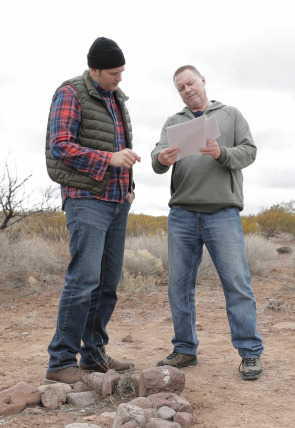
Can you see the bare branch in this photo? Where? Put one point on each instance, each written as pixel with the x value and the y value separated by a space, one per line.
pixel 15 203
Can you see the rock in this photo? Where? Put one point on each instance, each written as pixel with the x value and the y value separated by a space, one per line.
pixel 109 382
pixel 127 413
pixel 171 400
pixel 142 402
pixel 94 381
pixel 105 419
pixel 166 413
pixel 161 379
pixel 33 411
pixel 14 400
pixel 199 326
pixel 284 326
pixel 54 395
pixel 160 423
pixel 184 419
pixel 80 399
pixel 80 387
pixel 284 250
pixel 149 413
pixel 128 338
pixel 131 424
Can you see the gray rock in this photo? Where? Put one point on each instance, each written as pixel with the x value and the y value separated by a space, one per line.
pixel 16 398
pixel 127 413
pixel 80 399
pixel 161 379
pixel 171 400
pixel 55 395
pixel 109 382
pixel 142 402
pixel 166 413
pixel 284 250
pixel 184 419
pixel 160 423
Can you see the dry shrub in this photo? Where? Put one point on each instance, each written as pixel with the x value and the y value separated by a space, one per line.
pixel 28 257
pixel 154 244
pixel 261 254
pixel 141 262
pixel 137 283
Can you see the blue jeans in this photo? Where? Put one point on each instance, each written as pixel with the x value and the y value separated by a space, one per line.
pixel 222 234
pixel 97 237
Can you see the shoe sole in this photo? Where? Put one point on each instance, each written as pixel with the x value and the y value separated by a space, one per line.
pixel 180 366
pixel 252 377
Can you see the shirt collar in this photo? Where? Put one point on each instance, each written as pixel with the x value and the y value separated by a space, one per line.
pixel 102 91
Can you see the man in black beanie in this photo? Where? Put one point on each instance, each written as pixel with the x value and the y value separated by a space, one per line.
pixel 89 153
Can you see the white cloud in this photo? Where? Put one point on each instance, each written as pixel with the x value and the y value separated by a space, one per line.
pixel 246 50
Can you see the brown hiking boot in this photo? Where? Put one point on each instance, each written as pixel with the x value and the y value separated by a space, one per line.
pixel 179 360
pixel 70 375
pixel 107 364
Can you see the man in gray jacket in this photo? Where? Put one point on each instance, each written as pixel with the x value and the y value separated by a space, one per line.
pixel 206 197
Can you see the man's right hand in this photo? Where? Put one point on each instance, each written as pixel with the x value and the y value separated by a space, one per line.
pixel 125 158
pixel 168 156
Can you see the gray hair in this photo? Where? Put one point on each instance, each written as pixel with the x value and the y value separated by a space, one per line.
pixel 186 67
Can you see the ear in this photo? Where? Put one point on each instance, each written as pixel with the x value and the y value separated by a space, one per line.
pixel 94 72
pixel 203 80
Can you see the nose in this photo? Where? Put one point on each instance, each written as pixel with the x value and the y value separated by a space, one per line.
pixel 119 78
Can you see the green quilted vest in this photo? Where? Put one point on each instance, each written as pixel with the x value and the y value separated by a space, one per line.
pixel 96 131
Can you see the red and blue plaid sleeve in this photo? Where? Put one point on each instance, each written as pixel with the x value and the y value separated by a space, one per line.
pixel 65 121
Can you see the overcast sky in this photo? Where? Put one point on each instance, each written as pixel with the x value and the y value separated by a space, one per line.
pixel 245 50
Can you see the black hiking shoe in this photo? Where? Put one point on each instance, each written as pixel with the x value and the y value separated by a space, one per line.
pixel 250 368
pixel 179 360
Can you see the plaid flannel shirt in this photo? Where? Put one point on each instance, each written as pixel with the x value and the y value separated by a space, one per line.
pixel 65 121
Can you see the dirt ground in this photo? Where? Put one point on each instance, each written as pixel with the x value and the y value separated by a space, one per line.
pixel 219 396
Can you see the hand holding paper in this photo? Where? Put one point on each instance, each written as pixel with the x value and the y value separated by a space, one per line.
pixel 191 136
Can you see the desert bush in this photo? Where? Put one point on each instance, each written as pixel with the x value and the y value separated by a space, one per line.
pixel 154 244
pixel 139 224
pixel 261 254
pixel 29 256
pixel 250 224
pixel 142 262
pixel 135 284
pixel 50 227
pixel 278 218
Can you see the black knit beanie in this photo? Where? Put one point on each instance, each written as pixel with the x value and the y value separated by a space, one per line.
pixel 105 53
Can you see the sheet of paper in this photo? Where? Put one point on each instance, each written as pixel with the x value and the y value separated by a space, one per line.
pixel 191 136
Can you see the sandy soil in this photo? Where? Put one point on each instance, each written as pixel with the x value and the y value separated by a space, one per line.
pixel 219 396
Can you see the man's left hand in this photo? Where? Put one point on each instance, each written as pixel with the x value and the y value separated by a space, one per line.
pixel 212 149
pixel 130 197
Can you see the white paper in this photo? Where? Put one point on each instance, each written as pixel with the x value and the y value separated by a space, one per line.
pixel 191 136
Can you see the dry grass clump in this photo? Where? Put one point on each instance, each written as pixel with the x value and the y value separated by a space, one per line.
pixel 127 386
pixel 154 244
pixel 142 262
pixel 137 283
pixel 145 262
pixel 27 258
pixel 261 254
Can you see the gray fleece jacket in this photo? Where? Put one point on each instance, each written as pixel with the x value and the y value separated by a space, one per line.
pixel 200 183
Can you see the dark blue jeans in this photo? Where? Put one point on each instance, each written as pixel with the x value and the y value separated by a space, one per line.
pixel 223 236
pixel 97 237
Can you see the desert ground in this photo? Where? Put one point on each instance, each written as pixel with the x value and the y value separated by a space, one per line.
pixel 219 396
